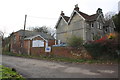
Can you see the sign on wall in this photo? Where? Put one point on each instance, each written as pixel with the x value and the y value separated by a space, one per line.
pixel 37 43
pixel 48 49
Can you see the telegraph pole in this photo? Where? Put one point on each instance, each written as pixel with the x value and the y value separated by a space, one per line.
pixel 25 22
pixel 24 34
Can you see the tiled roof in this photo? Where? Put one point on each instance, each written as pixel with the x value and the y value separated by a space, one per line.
pixel 84 15
pixel 93 17
pixel 66 18
pixel 33 33
pixel 88 17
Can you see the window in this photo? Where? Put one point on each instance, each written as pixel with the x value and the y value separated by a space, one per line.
pixel 92 25
pixel 105 30
pixel 92 36
pixel 99 25
pixel 110 29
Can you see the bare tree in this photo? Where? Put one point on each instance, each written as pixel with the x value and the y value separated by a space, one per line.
pixel 43 29
pixel 109 15
pixel 1 34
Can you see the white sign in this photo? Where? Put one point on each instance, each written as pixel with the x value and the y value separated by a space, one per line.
pixel 48 49
pixel 37 43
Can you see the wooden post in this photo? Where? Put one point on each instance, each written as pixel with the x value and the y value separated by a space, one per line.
pixel 24 34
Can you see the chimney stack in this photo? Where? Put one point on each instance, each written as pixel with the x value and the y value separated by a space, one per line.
pixel 62 13
pixel 76 7
pixel 99 11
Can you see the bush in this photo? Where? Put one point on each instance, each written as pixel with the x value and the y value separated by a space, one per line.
pixel 104 49
pixel 75 42
pixel 95 49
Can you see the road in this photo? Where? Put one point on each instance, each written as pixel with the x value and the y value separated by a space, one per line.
pixel 33 68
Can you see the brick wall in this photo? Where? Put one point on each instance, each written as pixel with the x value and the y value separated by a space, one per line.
pixel 37 51
pixel 63 52
pixel 70 52
pixel 15 43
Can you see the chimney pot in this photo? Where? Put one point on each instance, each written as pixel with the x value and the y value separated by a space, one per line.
pixel 62 13
pixel 76 7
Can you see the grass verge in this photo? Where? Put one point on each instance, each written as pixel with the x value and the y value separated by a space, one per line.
pixel 8 74
pixel 64 59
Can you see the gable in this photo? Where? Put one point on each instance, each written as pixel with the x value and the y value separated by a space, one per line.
pixel 76 18
pixel 100 18
pixel 62 26
pixel 75 15
pixel 61 23
pixel 63 18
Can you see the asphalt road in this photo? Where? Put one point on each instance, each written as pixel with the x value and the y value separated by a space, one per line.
pixel 32 68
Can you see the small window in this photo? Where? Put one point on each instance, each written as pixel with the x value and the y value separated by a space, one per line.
pixel 106 30
pixel 100 25
pixel 92 36
pixel 110 29
pixel 92 25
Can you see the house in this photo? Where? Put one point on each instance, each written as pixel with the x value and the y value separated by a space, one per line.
pixel 88 27
pixel 24 41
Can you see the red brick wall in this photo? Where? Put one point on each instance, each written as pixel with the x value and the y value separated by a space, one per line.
pixel 15 45
pixel 37 51
pixel 70 52
pixel 63 52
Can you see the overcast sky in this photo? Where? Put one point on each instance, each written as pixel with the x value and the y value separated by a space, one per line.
pixel 45 12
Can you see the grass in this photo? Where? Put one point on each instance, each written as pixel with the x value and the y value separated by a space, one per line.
pixel 7 74
pixel 63 59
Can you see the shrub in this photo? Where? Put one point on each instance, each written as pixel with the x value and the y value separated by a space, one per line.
pixel 95 49
pixel 75 42
pixel 104 48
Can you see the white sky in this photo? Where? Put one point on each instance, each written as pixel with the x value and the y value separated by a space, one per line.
pixel 45 12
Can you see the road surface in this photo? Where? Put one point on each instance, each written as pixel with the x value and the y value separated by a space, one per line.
pixel 33 68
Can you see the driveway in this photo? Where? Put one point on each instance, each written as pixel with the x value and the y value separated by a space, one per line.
pixel 32 68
